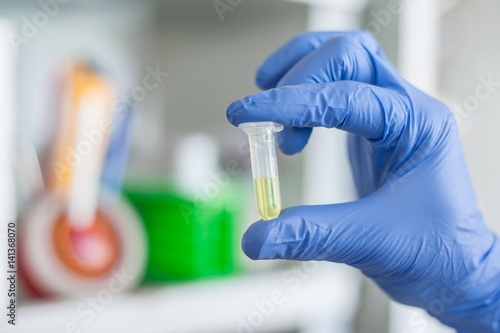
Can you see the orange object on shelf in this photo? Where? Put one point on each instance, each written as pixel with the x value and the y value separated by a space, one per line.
pixel 80 85
pixel 90 252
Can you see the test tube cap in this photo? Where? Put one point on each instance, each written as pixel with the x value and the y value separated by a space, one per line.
pixel 259 125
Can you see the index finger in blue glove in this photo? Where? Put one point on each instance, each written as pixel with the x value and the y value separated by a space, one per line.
pixel 370 111
pixel 282 60
pixel 278 63
pixel 341 57
pixel 344 56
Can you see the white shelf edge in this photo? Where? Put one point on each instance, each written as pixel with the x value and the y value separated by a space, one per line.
pixel 331 291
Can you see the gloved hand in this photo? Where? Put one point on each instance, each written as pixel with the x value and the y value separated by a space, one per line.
pixel 417 230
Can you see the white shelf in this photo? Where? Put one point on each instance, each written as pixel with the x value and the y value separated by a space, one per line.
pixel 326 296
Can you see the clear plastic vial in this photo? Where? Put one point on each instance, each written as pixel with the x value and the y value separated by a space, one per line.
pixel 261 138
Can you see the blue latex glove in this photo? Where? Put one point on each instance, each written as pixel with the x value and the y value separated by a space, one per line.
pixel 417 230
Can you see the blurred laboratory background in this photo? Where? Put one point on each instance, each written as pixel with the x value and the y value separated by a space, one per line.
pixel 131 191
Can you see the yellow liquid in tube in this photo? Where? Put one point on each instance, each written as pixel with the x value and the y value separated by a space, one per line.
pixel 268 197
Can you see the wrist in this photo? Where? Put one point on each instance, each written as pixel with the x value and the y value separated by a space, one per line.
pixel 484 317
pixel 476 307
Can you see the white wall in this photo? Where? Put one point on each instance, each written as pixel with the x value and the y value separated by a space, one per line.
pixel 471 51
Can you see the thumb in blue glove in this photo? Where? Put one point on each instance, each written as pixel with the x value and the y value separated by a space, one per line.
pixel 417 230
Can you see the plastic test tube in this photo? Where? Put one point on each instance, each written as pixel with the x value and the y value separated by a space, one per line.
pixel 261 137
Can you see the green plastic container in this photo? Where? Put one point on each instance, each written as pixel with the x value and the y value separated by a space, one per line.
pixel 189 239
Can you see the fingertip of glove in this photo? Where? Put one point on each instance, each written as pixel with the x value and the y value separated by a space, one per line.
pixel 262 78
pixel 250 246
pixel 292 141
pixel 289 149
pixel 263 83
pixel 233 111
